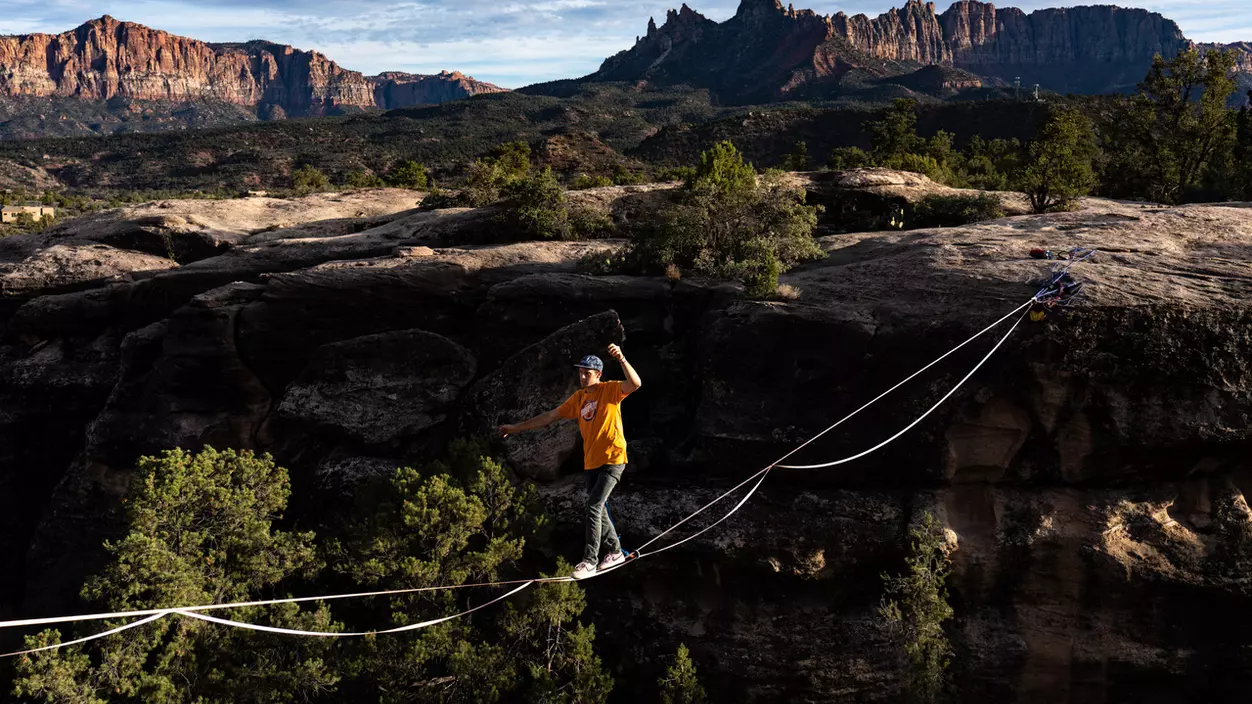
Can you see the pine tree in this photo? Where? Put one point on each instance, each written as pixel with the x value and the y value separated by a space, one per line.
pixel 1177 122
pixel 200 530
pixel 916 605
pixel 680 684
pixel 1058 166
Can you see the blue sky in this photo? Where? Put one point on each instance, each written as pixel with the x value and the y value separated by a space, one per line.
pixel 507 42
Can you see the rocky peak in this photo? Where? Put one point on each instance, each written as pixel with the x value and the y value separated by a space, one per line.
pixel 759 7
pixel 767 51
pixel 105 58
pixel 684 17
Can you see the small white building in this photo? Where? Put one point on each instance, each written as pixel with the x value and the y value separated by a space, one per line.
pixel 12 213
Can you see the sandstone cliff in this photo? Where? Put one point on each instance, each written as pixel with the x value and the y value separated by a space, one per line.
pixel 105 58
pixel 1093 476
pixel 769 51
pixel 395 89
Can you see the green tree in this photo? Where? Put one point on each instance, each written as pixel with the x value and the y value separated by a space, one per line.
pixel 727 222
pixel 362 179
pixel 723 174
pixel 896 145
pixel 200 529
pixel 538 208
pixel 409 174
pixel 953 210
pixel 464 520
pixel 1242 156
pixel 623 176
pixel 916 605
pixel 585 181
pixel 1175 125
pixel 798 159
pixel 1058 167
pixel 894 133
pixel 842 158
pixel 491 176
pixel 990 164
pixel 309 179
pixel 680 684
pixel 556 651
pixel 512 160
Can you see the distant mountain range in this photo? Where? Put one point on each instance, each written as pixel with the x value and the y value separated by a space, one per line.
pixel 768 52
pixel 105 59
pixel 110 76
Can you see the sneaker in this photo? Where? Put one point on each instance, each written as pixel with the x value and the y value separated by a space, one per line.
pixel 611 560
pixel 584 570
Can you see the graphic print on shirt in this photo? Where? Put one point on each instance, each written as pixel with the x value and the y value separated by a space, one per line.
pixel 589 410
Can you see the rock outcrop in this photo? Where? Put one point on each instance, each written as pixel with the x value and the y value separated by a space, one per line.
pixel 767 51
pixel 105 58
pixel 1093 476
pixel 395 89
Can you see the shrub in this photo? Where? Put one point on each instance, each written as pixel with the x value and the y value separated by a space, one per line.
pixel 728 223
pixel 583 182
pixel 953 210
pixel 362 179
pixel 409 174
pixel 678 173
pixel 537 208
pixel 625 177
pixel 491 176
pixel 589 223
pixel 309 179
pixel 615 261
pixel 842 158
pixel 787 292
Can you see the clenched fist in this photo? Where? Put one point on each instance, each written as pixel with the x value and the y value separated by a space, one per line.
pixel 616 353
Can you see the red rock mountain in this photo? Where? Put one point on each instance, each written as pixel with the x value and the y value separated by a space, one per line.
pixel 395 89
pixel 105 58
pixel 767 51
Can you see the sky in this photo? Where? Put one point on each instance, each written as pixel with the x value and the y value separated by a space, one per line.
pixel 511 43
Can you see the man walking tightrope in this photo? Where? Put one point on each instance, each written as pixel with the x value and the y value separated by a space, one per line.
pixel 597 407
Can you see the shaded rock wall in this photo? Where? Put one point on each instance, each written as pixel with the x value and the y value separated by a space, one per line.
pixel 1092 476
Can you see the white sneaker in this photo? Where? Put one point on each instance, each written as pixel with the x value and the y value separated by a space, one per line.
pixel 611 560
pixel 584 570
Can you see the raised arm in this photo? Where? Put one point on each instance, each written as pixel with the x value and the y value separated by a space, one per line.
pixel 537 422
pixel 633 381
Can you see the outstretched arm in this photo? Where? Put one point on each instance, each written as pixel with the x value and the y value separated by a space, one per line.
pixel 633 381
pixel 537 422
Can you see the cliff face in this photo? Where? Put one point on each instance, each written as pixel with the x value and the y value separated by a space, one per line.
pixel 1080 49
pixel 1243 67
pixel 770 51
pixel 106 58
pixel 1093 476
pixel 395 89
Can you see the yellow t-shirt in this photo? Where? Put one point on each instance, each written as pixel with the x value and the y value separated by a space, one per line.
pixel 599 414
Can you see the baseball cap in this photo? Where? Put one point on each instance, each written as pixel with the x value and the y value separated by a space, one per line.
pixel 591 362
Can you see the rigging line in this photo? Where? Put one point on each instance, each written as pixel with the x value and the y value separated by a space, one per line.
pixel 919 418
pixel 119 629
pixel 192 611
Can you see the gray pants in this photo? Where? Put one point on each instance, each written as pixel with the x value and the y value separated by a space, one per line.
pixel 600 530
